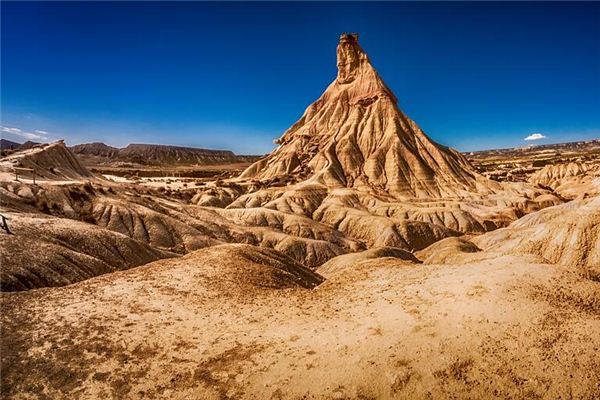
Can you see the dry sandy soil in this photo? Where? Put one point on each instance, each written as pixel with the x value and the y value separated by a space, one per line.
pixel 359 260
pixel 222 323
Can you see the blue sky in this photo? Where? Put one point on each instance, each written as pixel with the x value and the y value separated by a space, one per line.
pixel 236 75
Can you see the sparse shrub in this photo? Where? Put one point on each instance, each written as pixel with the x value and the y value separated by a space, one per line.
pixel 43 207
pixel 55 208
pixel 88 187
pixel 76 195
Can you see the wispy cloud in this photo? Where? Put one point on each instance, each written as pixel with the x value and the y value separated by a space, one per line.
pixel 14 131
pixel 35 135
pixel 535 136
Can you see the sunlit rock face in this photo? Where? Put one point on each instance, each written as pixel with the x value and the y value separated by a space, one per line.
pixel 349 58
pixel 355 135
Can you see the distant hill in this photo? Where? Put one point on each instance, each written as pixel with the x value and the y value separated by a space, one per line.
pixel 95 149
pixel 158 154
pixel 28 145
pixel 163 154
pixel 9 145
pixel 586 145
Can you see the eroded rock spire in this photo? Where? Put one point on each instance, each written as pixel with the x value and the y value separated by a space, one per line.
pixel 349 57
pixel 355 135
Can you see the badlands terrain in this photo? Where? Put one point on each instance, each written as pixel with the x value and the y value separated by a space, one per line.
pixel 358 260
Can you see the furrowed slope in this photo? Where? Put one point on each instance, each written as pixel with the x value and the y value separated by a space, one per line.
pixel 53 161
pixel 355 135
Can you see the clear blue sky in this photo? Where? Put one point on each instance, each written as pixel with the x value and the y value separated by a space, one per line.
pixel 236 75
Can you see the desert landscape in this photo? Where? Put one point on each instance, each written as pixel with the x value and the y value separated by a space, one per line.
pixel 358 260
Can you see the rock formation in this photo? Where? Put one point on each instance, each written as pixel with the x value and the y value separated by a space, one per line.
pixel 43 251
pixel 95 149
pixel 158 154
pixel 355 135
pixel 569 179
pixel 567 234
pixel 53 161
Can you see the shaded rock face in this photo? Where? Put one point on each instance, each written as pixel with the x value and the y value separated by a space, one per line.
pixel 43 252
pixel 158 154
pixel 355 135
pixel 163 154
pixel 95 149
pixel 8 144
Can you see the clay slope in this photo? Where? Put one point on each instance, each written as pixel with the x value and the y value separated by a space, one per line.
pixel 347 262
pixel 567 234
pixel 569 180
pixel 44 251
pixel 447 251
pixel 52 161
pixel 172 226
pixel 355 135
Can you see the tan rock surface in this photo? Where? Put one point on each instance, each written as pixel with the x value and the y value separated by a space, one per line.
pixel 355 135
pixel 43 251
pixel 567 234
pixel 53 161
pixel 569 180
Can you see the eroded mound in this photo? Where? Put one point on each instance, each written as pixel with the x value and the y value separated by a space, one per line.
pixel 53 161
pixel 570 179
pixel 447 251
pixel 170 225
pixel 567 234
pixel 347 262
pixel 45 251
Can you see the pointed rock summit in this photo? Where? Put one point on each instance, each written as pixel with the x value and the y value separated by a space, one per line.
pixel 355 135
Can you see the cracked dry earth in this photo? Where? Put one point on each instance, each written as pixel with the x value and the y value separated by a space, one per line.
pixel 229 322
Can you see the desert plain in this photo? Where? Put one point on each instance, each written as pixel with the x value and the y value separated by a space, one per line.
pixel 358 260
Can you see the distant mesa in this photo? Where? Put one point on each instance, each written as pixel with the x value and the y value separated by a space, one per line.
pixel 95 149
pixel 157 154
pixel 163 154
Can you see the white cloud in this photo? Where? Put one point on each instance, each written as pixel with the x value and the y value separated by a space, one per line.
pixel 39 135
pixel 535 136
pixel 15 131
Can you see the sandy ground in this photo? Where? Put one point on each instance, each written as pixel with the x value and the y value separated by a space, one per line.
pixel 197 327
